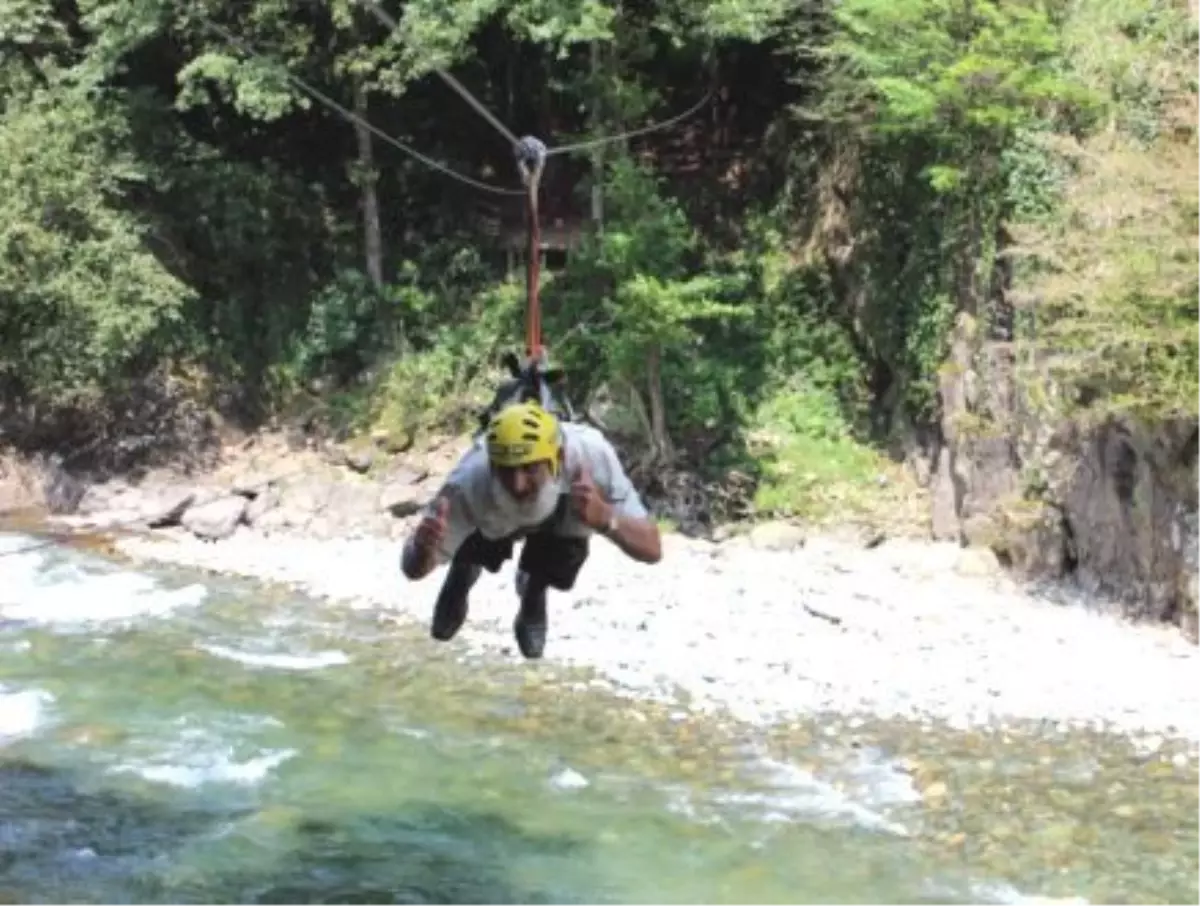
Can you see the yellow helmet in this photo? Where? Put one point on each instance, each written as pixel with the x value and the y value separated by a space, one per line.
pixel 524 433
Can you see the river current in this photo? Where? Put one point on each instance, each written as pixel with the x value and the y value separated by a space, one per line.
pixel 168 736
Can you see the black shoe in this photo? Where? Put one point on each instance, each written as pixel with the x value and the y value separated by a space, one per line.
pixel 531 624
pixel 450 612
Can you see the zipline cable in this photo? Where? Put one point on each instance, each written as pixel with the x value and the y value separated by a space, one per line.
pixel 353 117
pixel 477 105
pixel 531 158
pixel 529 162
pixel 589 144
pixel 390 22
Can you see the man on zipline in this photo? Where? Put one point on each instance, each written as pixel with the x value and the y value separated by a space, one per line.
pixel 530 477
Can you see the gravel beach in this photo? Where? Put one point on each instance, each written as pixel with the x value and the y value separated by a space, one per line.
pixel 907 629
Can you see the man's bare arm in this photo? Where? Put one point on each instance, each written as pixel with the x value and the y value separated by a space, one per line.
pixel 420 554
pixel 639 538
pixel 628 525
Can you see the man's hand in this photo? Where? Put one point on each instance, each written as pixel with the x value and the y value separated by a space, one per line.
pixel 593 510
pixel 431 530
pixel 638 538
pixel 422 548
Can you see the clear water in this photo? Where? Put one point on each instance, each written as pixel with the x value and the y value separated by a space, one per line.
pixel 170 737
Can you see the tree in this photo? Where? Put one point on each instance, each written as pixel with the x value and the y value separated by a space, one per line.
pixel 642 280
pixel 957 80
pixel 1109 265
pixel 81 298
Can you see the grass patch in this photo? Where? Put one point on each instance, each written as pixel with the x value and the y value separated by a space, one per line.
pixel 814 470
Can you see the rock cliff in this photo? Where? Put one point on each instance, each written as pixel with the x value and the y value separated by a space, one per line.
pixel 1109 501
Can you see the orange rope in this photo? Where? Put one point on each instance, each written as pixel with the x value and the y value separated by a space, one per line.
pixel 533 308
pixel 531 156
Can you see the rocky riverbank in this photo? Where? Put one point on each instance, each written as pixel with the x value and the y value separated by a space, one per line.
pixel 764 625
pixel 906 629
pixel 268 486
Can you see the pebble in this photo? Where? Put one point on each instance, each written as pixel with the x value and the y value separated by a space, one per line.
pixel 918 639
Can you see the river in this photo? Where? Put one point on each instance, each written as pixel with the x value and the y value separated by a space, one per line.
pixel 168 736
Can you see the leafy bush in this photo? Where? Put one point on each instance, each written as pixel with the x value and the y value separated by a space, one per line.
pixel 440 386
pixel 83 301
pixel 812 467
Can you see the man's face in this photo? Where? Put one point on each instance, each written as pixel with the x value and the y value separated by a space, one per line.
pixel 522 483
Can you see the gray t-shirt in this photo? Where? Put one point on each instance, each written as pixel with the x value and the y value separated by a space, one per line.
pixel 477 504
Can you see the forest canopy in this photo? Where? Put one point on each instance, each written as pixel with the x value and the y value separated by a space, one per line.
pixel 769 283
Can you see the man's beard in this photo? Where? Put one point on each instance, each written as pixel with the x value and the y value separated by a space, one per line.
pixel 532 511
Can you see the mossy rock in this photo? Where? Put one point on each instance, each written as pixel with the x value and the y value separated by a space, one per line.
pixel 1027 535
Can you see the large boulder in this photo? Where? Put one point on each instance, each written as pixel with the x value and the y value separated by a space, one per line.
pixel 39 483
pixel 217 519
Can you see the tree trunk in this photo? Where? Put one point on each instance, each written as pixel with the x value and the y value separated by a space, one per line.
pixel 372 228
pixel 658 410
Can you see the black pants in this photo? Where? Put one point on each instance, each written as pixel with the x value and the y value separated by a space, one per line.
pixel 551 560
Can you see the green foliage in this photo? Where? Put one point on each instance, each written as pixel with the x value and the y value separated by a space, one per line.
pixel 80 297
pixel 756 21
pixel 961 73
pixel 343 327
pixel 1110 263
pixel 29 24
pixel 249 240
pixel 639 281
pixel 440 385
pixel 168 197
pixel 1035 177
pixel 1137 57
pixel 433 34
pixel 560 24
pixel 942 102
pixel 1116 282
pixel 255 87
pixel 806 402
pixel 804 339
pixel 813 467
